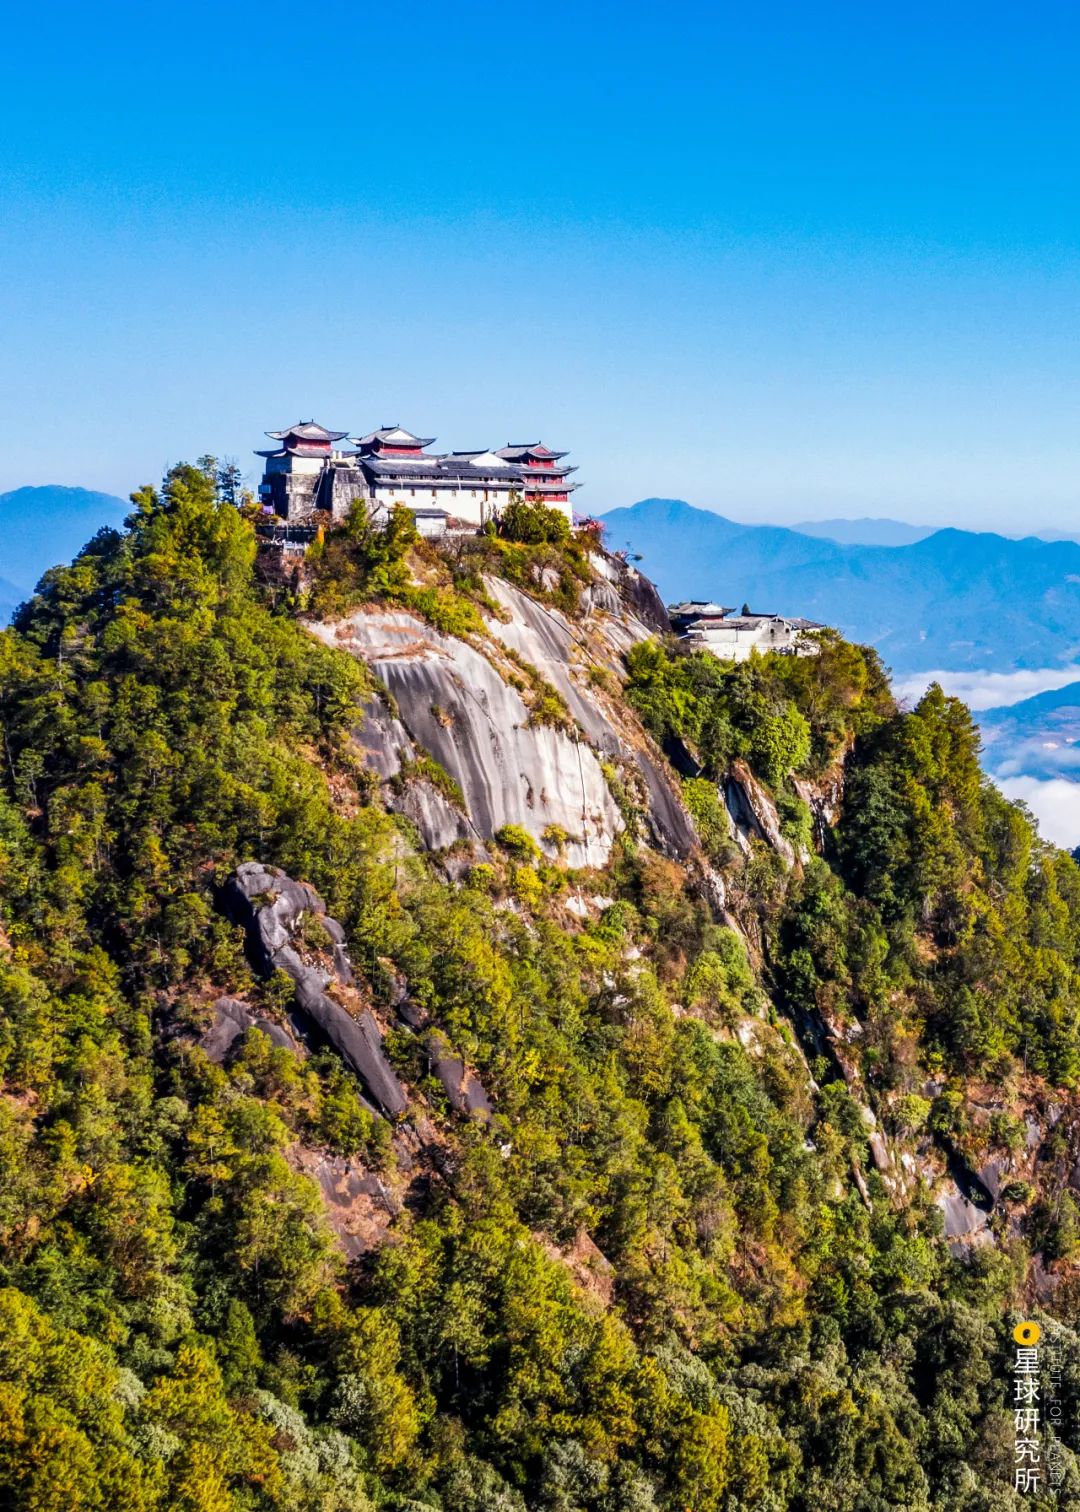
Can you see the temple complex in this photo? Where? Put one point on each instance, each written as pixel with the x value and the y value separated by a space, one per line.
pixel 734 637
pixel 309 480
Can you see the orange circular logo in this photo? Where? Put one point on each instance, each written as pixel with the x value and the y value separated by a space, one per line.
pixel 1027 1333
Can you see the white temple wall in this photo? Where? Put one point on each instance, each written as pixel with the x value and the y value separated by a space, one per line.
pixel 308 466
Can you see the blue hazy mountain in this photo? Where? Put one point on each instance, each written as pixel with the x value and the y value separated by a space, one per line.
pixel 10 597
pixel 1039 736
pixel 872 531
pixel 40 527
pixel 866 531
pixel 957 599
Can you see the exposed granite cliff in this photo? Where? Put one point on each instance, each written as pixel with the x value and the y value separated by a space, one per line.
pixel 463 704
pixel 271 907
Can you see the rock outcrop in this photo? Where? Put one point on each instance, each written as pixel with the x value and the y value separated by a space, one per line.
pixel 464 1091
pixel 360 1205
pixel 459 710
pixel 965 1221
pixel 633 591
pixel 563 652
pixel 271 907
pixel 231 1021
pixel 753 812
pixel 456 703
pixel 389 751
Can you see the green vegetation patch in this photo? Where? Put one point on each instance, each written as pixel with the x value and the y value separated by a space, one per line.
pixel 651 1281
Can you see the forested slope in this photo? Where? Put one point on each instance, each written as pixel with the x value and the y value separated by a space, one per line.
pixel 659 1220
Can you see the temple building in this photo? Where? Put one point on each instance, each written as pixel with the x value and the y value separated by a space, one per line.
pixel 294 471
pixel 543 480
pixel 308 480
pixel 734 637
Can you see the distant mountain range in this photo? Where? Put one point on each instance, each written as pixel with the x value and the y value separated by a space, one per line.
pixel 10 597
pixel 873 531
pixel 40 527
pixel 1039 736
pixel 866 532
pixel 955 599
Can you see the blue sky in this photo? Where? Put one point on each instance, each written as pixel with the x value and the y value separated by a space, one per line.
pixel 782 261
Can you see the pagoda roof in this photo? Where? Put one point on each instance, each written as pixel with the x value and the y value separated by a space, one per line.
pixel 470 468
pixel 491 459
pixel 392 435
pixel 376 463
pixel 307 430
pixel 530 449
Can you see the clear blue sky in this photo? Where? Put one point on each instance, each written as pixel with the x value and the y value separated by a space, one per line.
pixel 787 260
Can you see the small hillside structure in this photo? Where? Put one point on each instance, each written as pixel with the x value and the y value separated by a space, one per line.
pixel 309 480
pixel 734 637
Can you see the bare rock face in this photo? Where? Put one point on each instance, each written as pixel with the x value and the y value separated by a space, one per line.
pixel 232 1019
pixel 440 824
pixel 463 1089
pixel 590 1268
pixel 450 701
pixel 824 796
pixel 386 748
pixel 457 708
pixel 359 1205
pixel 633 590
pixel 603 596
pixel 753 812
pixel 271 906
pixel 965 1223
pixel 559 649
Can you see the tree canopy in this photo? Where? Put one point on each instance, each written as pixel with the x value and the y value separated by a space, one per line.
pixel 652 1280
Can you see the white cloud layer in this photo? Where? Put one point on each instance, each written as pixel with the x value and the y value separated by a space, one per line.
pixel 1055 802
pixel 987 690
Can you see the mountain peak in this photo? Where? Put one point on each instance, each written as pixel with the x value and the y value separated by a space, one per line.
pixel 954 598
pixel 46 523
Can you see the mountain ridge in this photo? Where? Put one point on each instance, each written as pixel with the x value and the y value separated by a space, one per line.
pixel 461 1049
pixel 43 526
pixel 958 599
pixel 866 530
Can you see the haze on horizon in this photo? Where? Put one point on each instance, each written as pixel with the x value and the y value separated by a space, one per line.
pixel 782 264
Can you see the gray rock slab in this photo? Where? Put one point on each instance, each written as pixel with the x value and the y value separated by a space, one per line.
pixel 456 706
pixel 463 1090
pixel 962 1218
pixel 270 905
pixel 359 1043
pixel 232 1019
pixel 753 812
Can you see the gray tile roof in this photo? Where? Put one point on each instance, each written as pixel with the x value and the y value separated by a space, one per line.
pixel 307 430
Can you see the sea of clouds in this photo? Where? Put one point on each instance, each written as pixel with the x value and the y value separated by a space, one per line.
pixel 1054 801
pixel 987 690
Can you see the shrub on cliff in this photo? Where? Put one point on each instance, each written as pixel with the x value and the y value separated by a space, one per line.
pixel 534 524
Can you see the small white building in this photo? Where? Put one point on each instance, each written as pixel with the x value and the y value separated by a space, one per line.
pixel 734 637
